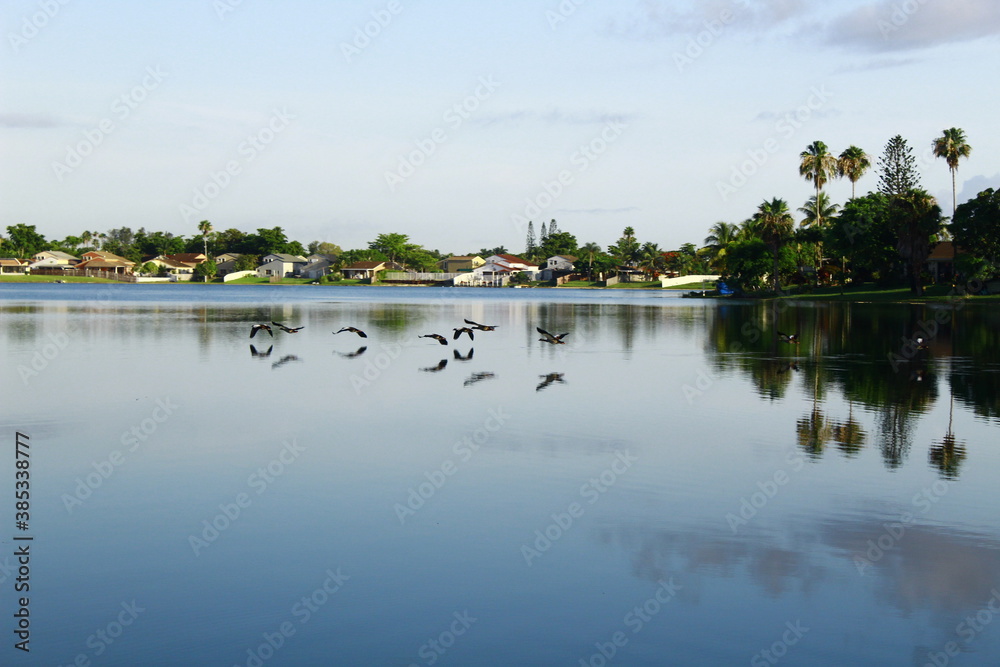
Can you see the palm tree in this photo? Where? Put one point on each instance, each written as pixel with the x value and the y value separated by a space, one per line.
pixel 916 217
pixel 774 225
pixel 818 165
pixel 720 235
pixel 814 215
pixel 952 146
pixel 590 250
pixel 205 227
pixel 85 238
pixel 853 163
pixel 650 258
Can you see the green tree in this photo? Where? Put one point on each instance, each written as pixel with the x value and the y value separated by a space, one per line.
pixel 247 263
pixel 952 146
pixel 816 214
pixel 863 235
pixel 558 243
pixel 720 236
pixel 650 259
pixel 231 240
pixel 353 256
pixel 852 164
pixel 976 227
pixel 206 270
pixel 393 246
pixel 530 245
pixel 916 217
pixel 24 241
pixel 627 249
pixel 589 251
pixel 898 168
pixel 817 165
pixel 775 226
pixel 205 227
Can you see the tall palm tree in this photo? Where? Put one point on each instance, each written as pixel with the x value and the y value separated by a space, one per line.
pixel 853 163
pixel 916 217
pixel 952 146
pixel 774 224
pixel 85 238
pixel 818 165
pixel 205 227
pixel 590 250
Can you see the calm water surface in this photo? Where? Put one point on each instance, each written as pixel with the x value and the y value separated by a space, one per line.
pixel 674 486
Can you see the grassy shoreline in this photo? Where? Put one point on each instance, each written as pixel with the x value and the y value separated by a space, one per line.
pixel 867 293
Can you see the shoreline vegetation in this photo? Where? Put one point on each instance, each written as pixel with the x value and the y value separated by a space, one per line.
pixel 864 293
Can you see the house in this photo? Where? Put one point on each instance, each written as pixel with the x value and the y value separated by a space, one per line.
pixel 560 263
pixel 281 265
pixel 192 259
pixel 318 266
pixel 500 267
pixel 512 262
pixel 105 261
pixel 226 263
pixel 366 270
pixel 172 266
pixel 461 264
pixel 12 265
pixel 941 261
pixel 53 258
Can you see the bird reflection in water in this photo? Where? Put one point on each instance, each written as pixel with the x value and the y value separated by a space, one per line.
pixel 467 357
pixel 434 369
pixel 478 377
pixel 549 379
pixel 260 355
pixel 351 355
pixel 284 360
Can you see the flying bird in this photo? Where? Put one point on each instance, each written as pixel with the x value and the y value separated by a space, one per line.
pixel 434 369
pixel 352 330
pixel 260 355
pixel 438 337
pixel 480 327
pixel 287 329
pixel 788 338
pixel 357 353
pixel 555 339
pixel 550 379
pixel 468 357
pixel 259 327
pixel 459 332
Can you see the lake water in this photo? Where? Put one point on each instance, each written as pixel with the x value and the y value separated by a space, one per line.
pixel 673 486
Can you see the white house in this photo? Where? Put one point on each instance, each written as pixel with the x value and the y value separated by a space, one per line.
pixel 48 258
pixel 281 265
pixel 560 263
pixel 500 267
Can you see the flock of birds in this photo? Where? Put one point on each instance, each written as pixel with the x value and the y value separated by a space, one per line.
pixel 469 330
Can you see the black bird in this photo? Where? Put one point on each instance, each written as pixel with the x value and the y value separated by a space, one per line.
pixel 480 327
pixel 284 360
pixel 261 355
pixel 260 327
pixel 549 379
pixel 352 330
pixel 788 338
pixel 438 337
pixel 468 357
pixel 435 369
pixel 478 377
pixel 357 353
pixel 287 329
pixel 555 339
pixel 921 343
pixel 459 332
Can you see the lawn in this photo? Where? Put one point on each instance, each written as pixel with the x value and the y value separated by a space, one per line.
pixel 7 278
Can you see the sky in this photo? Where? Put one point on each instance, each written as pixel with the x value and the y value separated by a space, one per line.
pixel 457 122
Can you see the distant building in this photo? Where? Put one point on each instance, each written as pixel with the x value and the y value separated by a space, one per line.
pixel 12 265
pixel 226 263
pixel 366 270
pixel 105 261
pixel 318 266
pixel 281 265
pixel 461 264
pixel 560 263
pixel 48 258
